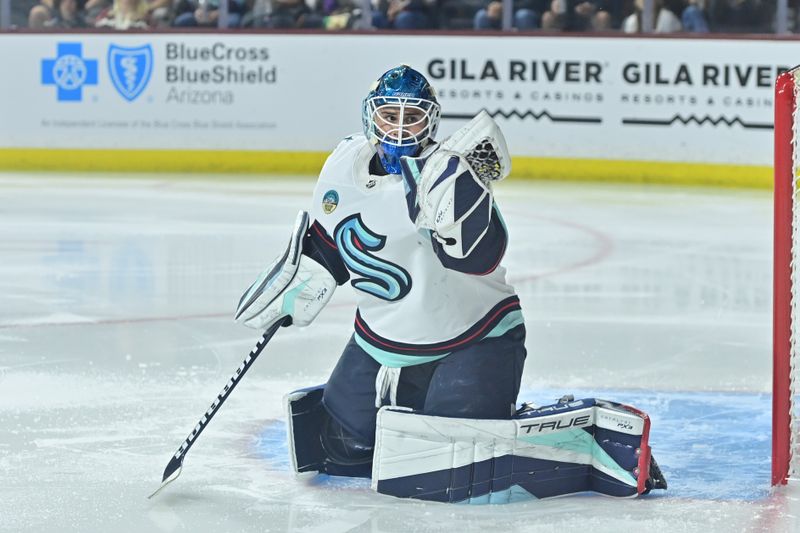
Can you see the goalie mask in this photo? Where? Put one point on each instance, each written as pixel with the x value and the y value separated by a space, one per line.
pixel 400 115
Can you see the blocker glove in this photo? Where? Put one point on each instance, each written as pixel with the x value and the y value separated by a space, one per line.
pixel 448 187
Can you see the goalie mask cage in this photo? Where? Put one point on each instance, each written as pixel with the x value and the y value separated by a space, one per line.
pixel 786 331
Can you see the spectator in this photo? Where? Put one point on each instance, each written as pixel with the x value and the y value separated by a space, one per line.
pixel 283 14
pixel 525 18
pixel 125 15
pixel 160 13
pixel 693 17
pixel 94 8
pixel 405 15
pixel 585 15
pixel 42 14
pixel 556 17
pixel 346 14
pixel 665 21
pixel 57 14
pixel 592 16
pixel 459 14
pixel 749 16
pixel 205 13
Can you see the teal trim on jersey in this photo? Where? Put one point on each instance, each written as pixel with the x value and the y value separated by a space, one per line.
pixel 390 359
pixel 510 495
pixel 579 441
pixel 290 297
pixel 394 360
pixel 415 173
pixel 509 322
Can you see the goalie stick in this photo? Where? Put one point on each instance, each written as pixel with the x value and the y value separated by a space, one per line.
pixel 175 465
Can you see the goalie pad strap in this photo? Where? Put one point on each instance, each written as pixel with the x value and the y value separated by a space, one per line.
pixel 584 445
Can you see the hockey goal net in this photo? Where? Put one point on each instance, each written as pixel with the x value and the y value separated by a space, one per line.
pixel 786 306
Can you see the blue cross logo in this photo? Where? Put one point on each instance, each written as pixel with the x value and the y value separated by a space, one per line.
pixel 69 71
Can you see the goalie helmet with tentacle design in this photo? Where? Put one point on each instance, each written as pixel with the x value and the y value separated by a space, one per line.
pixel 400 115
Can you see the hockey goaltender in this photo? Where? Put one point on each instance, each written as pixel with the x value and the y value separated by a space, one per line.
pixel 423 398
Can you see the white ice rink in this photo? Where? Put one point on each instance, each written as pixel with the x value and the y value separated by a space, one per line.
pixel 116 333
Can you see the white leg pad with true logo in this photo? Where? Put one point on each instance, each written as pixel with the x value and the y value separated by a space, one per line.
pixel 569 447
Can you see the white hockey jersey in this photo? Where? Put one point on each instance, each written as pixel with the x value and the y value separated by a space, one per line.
pixel 411 307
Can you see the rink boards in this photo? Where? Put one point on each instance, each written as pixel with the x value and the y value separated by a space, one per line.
pixel 603 108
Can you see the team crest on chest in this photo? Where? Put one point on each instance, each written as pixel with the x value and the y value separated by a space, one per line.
pixel 330 201
pixel 358 246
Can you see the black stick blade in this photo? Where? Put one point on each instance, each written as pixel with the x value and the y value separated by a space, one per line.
pixel 175 465
pixel 171 473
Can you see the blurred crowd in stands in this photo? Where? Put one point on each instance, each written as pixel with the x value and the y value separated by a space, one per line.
pixel 669 16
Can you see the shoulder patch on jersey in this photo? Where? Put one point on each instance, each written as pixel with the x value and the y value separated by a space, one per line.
pixel 329 201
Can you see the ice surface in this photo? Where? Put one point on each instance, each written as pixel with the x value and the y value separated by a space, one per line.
pixel 116 333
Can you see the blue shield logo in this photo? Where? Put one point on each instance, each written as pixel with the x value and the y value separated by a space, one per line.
pixel 130 69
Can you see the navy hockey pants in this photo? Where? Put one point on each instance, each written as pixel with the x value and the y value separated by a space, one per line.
pixel 479 381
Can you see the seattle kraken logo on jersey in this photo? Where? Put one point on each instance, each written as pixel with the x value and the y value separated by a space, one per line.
pixel 130 69
pixel 378 277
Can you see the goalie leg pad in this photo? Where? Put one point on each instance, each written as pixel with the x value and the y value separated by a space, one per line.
pixel 304 418
pixel 569 447
pixel 318 443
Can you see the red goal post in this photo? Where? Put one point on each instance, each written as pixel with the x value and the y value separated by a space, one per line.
pixel 785 429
